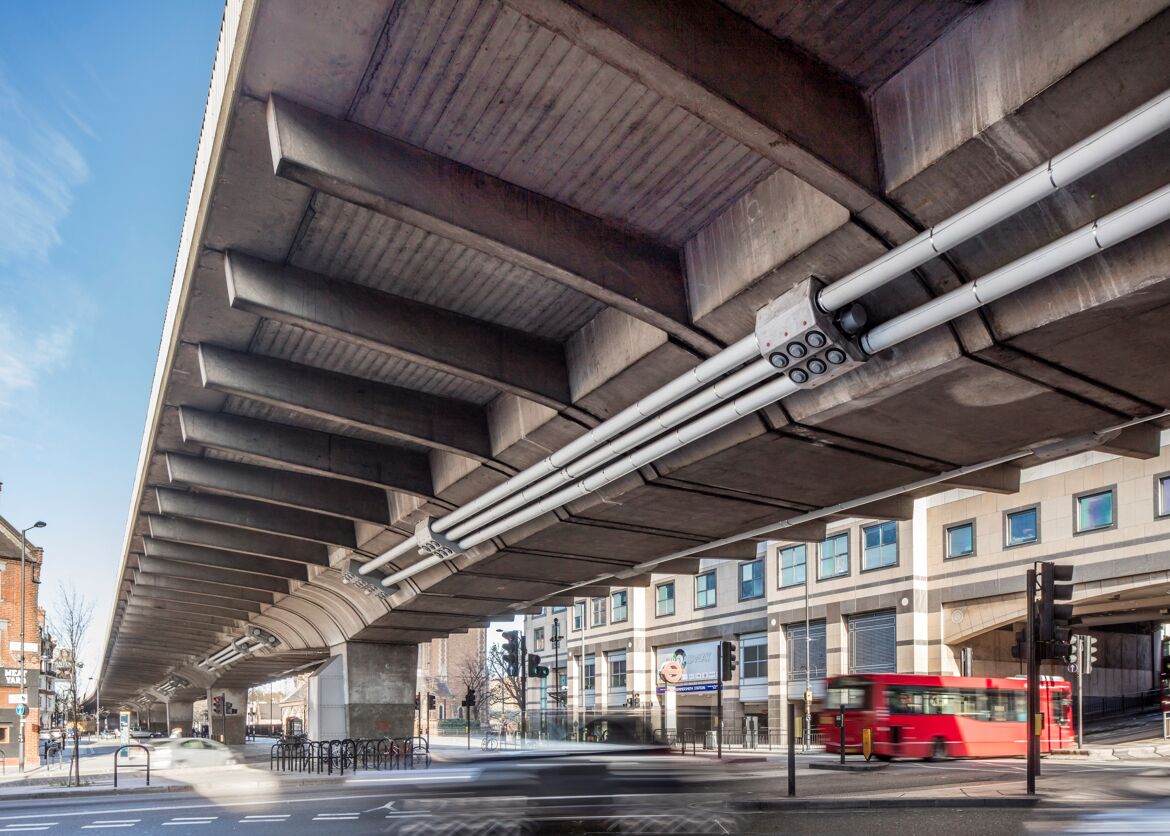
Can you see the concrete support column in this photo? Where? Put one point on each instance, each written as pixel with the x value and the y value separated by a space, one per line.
pixel 379 688
pixel 232 728
pixel 182 715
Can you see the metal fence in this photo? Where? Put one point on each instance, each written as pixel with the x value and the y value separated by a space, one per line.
pixel 329 756
pixel 1100 708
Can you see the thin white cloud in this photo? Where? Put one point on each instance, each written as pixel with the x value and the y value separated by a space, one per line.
pixel 25 357
pixel 39 168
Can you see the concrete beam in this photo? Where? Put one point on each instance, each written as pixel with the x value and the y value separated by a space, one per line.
pixel 681 566
pixel 240 609
pixel 252 595
pixel 482 212
pixel 159 619
pixel 894 508
pixel 200 556
pixel 502 358
pixel 282 487
pixel 237 540
pixel 430 420
pixel 321 453
pixel 1002 478
pixel 1143 441
pixel 753 87
pixel 257 516
pixel 205 574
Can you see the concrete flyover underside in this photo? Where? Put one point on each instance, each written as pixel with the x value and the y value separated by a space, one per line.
pixel 430 242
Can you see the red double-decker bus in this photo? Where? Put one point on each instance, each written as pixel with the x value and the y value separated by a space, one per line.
pixel 944 716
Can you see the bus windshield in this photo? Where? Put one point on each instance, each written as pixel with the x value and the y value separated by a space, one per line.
pixel 848 695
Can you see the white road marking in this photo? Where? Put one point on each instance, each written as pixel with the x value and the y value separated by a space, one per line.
pixel 14 828
pixel 202 805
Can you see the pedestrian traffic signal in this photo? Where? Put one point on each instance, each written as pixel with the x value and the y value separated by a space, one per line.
pixel 1054 617
pixel 727 659
pixel 512 653
pixel 535 669
pixel 430 702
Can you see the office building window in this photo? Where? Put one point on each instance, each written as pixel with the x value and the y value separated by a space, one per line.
pixel 1022 527
pixel 960 539
pixel 1162 496
pixel 751 580
pixel 557 610
pixel 792 565
pixel 1095 511
pixel 834 556
pixel 617 671
pixel 705 590
pixel 664 599
pixel 538 638
pixel 598 619
pixel 806 650
pixel 881 546
pixel 578 615
pixel 753 659
pixel 621 606
pixel 590 673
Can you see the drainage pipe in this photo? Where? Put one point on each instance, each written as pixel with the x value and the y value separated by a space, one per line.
pixel 1090 239
pixel 1124 134
pixel 1095 237
pixel 706 372
pixel 1105 145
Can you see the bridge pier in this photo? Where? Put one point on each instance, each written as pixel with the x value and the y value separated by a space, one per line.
pixel 232 728
pixel 181 715
pixel 365 690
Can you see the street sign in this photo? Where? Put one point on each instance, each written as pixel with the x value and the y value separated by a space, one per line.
pixel 17 698
pixel 21 710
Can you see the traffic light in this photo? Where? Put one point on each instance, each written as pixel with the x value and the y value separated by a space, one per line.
pixel 1090 653
pixel 469 701
pixel 1020 648
pixel 1074 657
pixel 512 653
pixel 227 708
pixel 727 657
pixel 417 704
pixel 1054 617
pixel 535 669
pixel 217 705
pixel 430 702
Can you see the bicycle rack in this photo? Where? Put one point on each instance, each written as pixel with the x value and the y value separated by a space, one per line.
pixel 126 748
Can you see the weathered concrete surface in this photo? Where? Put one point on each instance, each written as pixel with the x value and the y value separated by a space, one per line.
pixel 228 728
pixel 380 682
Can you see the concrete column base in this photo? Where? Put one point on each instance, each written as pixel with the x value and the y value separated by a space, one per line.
pixel 181 717
pixel 232 728
pixel 379 682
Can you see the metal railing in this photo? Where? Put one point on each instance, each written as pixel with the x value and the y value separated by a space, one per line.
pixel 1100 708
pixel 329 756
pixel 127 749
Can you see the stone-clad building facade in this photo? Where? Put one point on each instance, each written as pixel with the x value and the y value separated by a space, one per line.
pixel 935 590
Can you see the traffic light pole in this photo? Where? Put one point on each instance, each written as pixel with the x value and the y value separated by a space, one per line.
pixel 524 689
pixel 719 709
pixel 1033 739
pixel 1082 658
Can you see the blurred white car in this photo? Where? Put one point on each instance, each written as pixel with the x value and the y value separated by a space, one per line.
pixel 189 751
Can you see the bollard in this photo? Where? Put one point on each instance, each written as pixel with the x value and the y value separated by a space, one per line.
pixel 791 748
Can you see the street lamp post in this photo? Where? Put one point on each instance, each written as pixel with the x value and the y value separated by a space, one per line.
pixel 23 669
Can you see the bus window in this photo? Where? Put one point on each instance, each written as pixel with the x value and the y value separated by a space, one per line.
pixel 1062 707
pixel 905 699
pixel 851 696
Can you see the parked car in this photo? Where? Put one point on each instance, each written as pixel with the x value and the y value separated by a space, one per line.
pixel 176 752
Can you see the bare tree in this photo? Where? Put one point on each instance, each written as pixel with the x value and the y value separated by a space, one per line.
pixel 71 621
pixel 507 688
pixel 472 675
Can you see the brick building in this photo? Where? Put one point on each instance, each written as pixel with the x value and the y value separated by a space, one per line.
pixel 445 667
pixel 10 632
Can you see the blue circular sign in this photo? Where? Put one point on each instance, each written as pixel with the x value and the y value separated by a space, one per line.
pixel 21 710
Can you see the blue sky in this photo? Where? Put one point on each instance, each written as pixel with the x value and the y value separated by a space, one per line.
pixel 100 109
